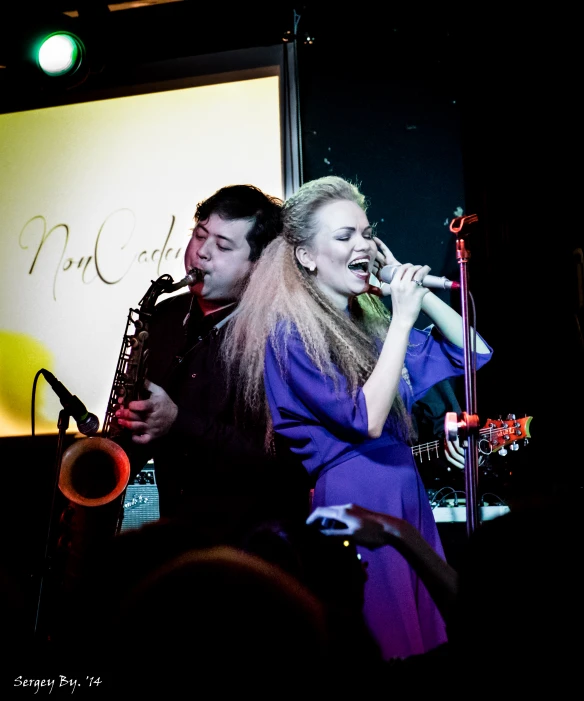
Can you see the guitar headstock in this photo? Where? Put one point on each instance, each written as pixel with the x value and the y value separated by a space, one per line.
pixel 497 434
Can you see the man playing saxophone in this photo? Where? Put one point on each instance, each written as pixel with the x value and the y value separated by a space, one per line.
pixel 211 470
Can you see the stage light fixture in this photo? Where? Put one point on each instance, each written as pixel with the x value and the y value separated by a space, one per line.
pixel 60 54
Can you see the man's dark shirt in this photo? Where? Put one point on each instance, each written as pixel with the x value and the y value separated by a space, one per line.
pixel 210 470
pixel 428 415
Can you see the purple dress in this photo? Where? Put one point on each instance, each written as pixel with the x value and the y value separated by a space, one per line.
pixel 327 428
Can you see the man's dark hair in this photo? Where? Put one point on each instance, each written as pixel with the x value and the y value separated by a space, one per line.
pixel 245 202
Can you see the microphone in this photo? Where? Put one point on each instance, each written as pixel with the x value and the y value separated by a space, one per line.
pixel 87 423
pixel 431 281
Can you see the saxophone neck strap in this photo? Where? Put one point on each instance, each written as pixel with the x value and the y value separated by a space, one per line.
pixel 213 330
pixel 223 321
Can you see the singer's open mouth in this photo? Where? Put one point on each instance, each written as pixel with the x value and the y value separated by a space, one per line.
pixel 360 268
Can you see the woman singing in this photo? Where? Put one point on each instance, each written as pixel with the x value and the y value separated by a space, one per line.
pixel 334 374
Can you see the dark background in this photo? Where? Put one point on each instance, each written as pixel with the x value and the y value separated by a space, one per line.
pixel 429 111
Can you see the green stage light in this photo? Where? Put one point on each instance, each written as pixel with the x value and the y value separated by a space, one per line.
pixel 60 53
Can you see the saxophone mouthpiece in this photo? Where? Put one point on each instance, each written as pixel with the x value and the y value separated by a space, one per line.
pixel 194 275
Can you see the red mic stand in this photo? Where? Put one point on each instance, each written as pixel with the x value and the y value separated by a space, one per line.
pixel 466 425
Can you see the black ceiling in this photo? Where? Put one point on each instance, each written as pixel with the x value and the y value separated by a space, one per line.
pixel 470 46
pixel 189 27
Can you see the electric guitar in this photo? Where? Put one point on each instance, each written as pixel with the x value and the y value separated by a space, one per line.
pixel 495 436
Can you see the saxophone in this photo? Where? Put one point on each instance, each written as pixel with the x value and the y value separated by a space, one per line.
pixel 95 470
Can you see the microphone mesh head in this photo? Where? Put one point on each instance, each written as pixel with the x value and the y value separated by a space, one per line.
pixel 89 426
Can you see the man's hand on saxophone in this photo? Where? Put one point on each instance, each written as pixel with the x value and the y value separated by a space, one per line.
pixel 148 419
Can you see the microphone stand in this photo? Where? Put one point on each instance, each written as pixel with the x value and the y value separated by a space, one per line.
pixel 40 629
pixel 466 426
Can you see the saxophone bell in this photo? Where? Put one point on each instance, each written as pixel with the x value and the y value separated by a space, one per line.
pixel 94 471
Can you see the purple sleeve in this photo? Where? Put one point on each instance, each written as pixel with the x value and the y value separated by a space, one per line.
pixel 299 393
pixel 430 358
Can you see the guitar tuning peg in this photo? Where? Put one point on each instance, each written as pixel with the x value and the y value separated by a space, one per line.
pixel 514 446
pixel 511 417
pixel 503 452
